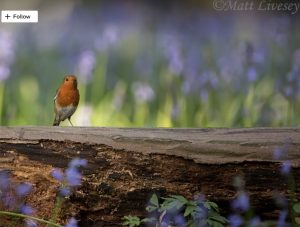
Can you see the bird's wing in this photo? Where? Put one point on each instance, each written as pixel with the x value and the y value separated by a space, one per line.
pixel 56 95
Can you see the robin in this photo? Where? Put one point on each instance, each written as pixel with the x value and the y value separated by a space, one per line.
pixel 66 100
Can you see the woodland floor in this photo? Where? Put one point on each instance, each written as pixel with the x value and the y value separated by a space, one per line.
pixel 118 182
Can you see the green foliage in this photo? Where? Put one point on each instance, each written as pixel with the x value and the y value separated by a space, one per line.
pixel 296 208
pixel 194 212
pixel 153 204
pixel 131 221
pixel 173 202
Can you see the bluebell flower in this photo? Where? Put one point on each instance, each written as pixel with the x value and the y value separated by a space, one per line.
pixel 4 180
pixel 164 219
pixel 8 200
pixel 286 168
pixel 77 162
pixel 179 220
pixel 73 177
pixel 142 92
pixel 30 223
pixel 86 65
pixel 4 72
pixel 7 55
pixel 278 153
pixel 252 74
pixel 57 174
pixel 23 189
pixel 65 191
pixel 241 203
pixel 70 178
pixel 26 209
pixel 282 217
pixel 164 224
pixel 72 223
pixel 235 220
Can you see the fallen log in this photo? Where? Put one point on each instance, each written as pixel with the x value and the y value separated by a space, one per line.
pixel 127 165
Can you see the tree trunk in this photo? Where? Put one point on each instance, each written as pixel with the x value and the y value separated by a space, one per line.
pixel 127 165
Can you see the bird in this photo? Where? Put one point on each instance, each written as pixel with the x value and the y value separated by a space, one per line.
pixel 66 100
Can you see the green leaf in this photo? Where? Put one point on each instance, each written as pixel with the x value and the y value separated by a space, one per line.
pixel 174 202
pixel 171 204
pixel 192 203
pixel 149 220
pixel 150 208
pixel 131 221
pixel 180 198
pixel 212 223
pixel 296 208
pixel 189 210
pixel 154 200
pixel 217 218
pixel 211 206
pixel 167 205
pixel 192 224
pixel 154 204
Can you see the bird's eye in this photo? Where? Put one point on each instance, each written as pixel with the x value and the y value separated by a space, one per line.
pixel 67 79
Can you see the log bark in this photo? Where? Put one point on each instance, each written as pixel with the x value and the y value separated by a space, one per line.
pixel 127 165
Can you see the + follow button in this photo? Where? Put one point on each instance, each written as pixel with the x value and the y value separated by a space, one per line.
pixel 19 16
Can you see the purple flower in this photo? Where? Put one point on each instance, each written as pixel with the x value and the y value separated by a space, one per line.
pixel 4 180
pixel 86 65
pixel 4 72
pixel 241 203
pixel 9 200
pixel 164 224
pixel 64 191
pixel 235 220
pixel 57 174
pixel 172 48
pixel 77 162
pixel 179 220
pixel 110 37
pixel 286 168
pixel 252 74
pixel 70 178
pixel 73 177
pixel 30 223
pixel 72 223
pixel 23 189
pixel 7 54
pixel 143 92
pixel 281 220
pixel 25 209
pixel 278 153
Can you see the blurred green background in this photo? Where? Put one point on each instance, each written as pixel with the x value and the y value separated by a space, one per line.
pixel 151 64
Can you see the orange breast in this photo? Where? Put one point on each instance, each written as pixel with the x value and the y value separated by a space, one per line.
pixel 66 97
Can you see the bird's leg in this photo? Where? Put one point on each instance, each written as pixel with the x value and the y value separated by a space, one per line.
pixel 69 118
pixel 56 121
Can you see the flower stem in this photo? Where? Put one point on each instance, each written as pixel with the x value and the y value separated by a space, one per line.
pixel 57 208
pixel 29 217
